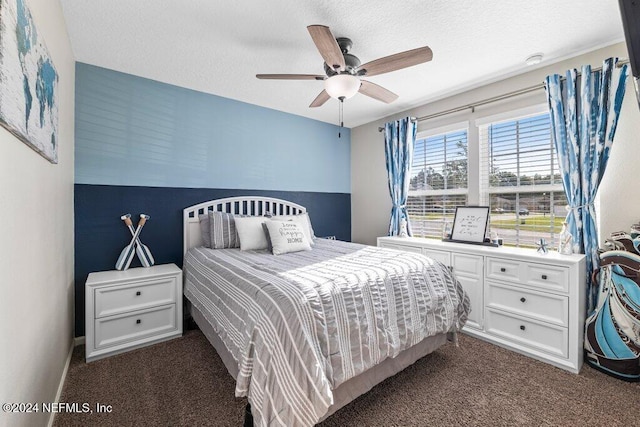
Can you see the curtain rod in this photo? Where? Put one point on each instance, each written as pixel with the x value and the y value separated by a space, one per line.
pixel 508 95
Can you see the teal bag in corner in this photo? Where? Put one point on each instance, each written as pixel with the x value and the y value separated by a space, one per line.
pixel 612 331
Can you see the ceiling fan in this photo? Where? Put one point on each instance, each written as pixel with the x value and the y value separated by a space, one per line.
pixel 344 70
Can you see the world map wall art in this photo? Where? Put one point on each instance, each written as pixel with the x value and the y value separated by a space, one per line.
pixel 28 81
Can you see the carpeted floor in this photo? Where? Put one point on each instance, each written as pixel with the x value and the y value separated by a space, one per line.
pixel 184 383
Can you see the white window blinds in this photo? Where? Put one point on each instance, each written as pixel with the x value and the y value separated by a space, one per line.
pixel 520 180
pixel 439 181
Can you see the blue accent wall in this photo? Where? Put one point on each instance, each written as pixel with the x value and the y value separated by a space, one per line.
pixel 136 131
pixel 148 147
pixel 100 235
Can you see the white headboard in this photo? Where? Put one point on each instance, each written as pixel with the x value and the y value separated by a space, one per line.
pixel 242 205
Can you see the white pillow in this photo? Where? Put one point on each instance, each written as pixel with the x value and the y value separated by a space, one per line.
pixel 286 237
pixel 304 220
pixel 251 233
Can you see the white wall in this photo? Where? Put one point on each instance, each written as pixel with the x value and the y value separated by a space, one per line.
pixel 36 245
pixel 617 204
pixel 618 208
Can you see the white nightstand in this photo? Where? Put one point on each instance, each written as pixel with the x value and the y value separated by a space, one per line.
pixel 131 309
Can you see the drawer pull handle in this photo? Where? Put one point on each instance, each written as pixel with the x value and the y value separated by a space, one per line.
pixel 138 293
pixel 502 269
pixel 523 299
pixel 544 277
pixel 522 328
pixel 138 321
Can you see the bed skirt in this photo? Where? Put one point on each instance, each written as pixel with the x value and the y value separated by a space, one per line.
pixel 350 389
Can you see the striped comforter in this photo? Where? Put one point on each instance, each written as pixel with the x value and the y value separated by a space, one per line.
pixel 301 324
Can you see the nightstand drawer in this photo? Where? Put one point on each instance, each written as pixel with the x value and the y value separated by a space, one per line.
pixel 538 305
pixel 538 335
pixel 135 296
pixel 119 329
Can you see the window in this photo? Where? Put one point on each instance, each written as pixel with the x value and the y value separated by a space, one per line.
pixel 520 180
pixel 439 181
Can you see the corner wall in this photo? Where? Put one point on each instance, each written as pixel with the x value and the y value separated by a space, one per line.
pixel 36 247
pixel 617 207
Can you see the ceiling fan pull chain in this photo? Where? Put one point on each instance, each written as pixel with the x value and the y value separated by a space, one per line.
pixel 341 115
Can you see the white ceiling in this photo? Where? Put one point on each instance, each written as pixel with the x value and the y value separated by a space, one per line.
pixel 218 46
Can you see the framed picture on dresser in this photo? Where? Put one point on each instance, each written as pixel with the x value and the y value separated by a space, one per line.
pixel 470 224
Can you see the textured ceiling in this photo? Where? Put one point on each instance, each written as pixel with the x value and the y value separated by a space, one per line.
pixel 218 47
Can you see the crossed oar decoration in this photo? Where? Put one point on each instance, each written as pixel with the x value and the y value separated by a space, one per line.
pixel 135 247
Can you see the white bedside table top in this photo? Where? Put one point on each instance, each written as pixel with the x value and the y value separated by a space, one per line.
pixel 112 276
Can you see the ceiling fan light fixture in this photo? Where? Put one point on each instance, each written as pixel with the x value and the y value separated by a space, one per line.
pixel 342 86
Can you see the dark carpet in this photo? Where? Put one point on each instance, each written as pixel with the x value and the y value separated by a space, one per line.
pixel 184 383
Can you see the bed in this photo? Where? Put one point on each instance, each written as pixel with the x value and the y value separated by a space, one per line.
pixel 305 333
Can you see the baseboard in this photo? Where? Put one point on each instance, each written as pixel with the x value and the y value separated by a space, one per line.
pixel 78 341
pixel 63 377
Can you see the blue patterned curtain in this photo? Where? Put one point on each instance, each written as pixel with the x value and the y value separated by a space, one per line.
pixel 399 138
pixel 584 115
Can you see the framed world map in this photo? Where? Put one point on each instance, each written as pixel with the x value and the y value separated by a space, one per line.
pixel 28 81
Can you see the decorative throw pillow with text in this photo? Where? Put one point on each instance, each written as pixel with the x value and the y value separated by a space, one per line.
pixel 287 236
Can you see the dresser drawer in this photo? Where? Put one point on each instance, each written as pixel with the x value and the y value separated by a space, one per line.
pixel 123 328
pixel 542 276
pixel 502 269
pixel 534 334
pixel 406 248
pixel 538 305
pixel 467 264
pixel 443 257
pixel 134 296
pixel 549 277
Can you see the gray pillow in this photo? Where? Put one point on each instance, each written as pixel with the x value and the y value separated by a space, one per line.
pixel 204 230
pixel 266 234
pixel 222 229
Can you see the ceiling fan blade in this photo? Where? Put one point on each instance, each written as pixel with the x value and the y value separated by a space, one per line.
pixel 377 92
pixel 320 99
pixel 327 46
pixel 398 61
pixel 290 77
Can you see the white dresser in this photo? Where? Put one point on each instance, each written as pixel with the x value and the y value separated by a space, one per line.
pixel 131 309
pixel 521 300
